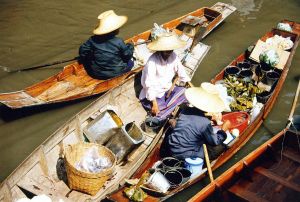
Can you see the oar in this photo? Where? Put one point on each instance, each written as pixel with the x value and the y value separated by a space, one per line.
pixel 290 119
pixel 7 69
pixel 208 164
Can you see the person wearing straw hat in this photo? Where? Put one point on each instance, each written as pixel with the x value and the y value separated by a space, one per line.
pixel 194 126
pixel 158 73
pixel 104 55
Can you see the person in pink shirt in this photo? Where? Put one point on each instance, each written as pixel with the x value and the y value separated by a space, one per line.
pixel 158 74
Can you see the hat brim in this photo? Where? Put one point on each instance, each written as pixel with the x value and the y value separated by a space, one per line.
pixel 154 46
pixel 205 101
pixel 107 28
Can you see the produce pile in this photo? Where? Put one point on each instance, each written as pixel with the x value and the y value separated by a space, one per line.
pixel 242 92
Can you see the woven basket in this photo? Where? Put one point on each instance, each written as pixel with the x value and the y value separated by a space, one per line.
pixel 86 182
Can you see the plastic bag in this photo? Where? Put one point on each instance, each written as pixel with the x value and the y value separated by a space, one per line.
pixel 269 57
pixel 284 26
pixel 92 162
pixel 157 31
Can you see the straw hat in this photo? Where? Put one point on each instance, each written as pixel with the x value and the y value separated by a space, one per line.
pixel 109 21
pixel 166 42
pixel 205 100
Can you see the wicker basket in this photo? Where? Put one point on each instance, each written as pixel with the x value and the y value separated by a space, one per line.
pixel 86 182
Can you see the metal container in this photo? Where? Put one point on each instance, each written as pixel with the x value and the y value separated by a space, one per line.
pixel 108 129
pixel 158 182
pixel 103 127
pixel 125 140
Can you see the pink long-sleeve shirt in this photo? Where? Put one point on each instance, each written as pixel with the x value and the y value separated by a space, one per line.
pixel 158 73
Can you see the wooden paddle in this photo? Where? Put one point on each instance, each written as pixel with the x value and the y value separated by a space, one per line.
pixel 290 119
pixel 208 164
pixel 7 69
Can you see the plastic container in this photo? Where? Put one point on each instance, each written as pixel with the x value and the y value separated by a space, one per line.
pixel 272 77
pixel 174 177
pixel 186 174
pixel 264 96
pixel 238 120
pixel 194 165
pixel 170 163
pixel 245 65
pixel 246 75
pixel 231 71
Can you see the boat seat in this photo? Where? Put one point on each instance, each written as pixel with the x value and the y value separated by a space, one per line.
pixel 245 194
pixel 58 191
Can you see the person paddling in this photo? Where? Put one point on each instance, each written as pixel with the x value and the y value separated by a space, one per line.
pixel 104 55
pixel 158 73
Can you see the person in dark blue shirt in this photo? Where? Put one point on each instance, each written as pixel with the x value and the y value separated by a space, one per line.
pixel 104 55
pixel 194 127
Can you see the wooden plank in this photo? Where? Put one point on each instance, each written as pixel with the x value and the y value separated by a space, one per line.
pixel 277 178
pixel 7 195
pixel 291 155
pixel 17 193
pixel 36 188
pixel 79 130
pixel 43 161
pixel 245 194
pixel 78 196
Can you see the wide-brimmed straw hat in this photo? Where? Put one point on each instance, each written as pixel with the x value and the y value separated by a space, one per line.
pixel 109 21
pixel 166 42
pixel 207 100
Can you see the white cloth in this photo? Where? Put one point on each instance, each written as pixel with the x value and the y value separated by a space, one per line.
pixel 158 73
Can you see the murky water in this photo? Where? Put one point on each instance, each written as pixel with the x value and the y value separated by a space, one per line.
pixel 38 32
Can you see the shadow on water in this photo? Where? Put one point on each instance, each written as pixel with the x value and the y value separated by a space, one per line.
pixel 7 114
pixel 297 78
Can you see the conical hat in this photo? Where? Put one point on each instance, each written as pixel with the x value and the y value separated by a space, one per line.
pixel 109 22
pixel 205 100
pixel 166 42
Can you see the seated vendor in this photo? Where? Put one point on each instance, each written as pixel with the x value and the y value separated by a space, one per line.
pixel 194 127
pixel 157 94
pixel 104 55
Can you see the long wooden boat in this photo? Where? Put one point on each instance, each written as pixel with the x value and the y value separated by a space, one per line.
pixel 74 83
pixel 40 172
pixel 269 173
pixel 240 141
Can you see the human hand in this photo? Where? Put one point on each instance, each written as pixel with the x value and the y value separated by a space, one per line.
pixel 172 122
pixel 226 125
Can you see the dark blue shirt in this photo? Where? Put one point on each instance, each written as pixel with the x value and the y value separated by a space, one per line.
pixel 105 56
pixel 192 130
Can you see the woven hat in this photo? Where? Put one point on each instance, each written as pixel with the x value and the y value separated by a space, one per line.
pixel 207 100
pixel 166 42
pixel 109 21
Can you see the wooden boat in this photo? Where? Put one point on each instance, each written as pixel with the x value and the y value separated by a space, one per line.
pixel 239 142
pixel 74 83
pixel 269 173
pixel 41 171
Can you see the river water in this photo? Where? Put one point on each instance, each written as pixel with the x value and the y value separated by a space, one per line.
pixel 37 32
